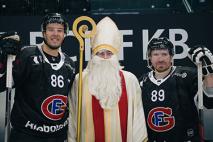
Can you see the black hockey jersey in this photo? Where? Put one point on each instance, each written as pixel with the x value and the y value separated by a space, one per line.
pixel 41 89
pixel 170 111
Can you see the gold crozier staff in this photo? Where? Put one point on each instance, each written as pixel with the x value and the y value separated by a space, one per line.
pixel 80 34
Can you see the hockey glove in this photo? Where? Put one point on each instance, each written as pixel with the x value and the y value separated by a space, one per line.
pixel 10 45
pixel 200 54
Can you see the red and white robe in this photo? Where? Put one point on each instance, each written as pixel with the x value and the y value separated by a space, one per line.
pixel 108 124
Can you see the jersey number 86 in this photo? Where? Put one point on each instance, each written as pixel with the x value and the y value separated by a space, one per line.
pixel 57 81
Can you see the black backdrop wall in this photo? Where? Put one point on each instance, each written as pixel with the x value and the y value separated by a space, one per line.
pixel 184 31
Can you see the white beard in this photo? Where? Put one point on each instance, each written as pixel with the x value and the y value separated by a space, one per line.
pixel 104 80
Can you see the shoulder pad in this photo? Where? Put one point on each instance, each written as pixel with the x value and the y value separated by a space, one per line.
pixel 28 46
pixel 29 50
pixel 181 69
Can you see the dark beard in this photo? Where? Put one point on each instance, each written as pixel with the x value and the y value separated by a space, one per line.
pixel 51 47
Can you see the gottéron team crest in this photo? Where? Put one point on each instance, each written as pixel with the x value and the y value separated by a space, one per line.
pixel 160 119
pixel 54 106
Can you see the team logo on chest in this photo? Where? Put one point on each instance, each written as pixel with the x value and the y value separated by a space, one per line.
pixel 160 119
pixel 54 106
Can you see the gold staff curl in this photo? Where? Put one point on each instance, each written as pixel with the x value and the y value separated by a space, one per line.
pixel 80 34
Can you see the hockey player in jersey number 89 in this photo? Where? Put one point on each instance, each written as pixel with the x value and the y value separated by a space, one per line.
pixel 168 93
pixel 42 76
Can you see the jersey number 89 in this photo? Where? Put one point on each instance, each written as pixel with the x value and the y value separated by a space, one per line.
pixel 158 95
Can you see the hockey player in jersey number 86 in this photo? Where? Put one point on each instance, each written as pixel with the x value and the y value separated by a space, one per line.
pixel 42 76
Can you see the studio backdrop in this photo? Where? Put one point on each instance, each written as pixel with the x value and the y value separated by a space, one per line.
pixel 184 31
